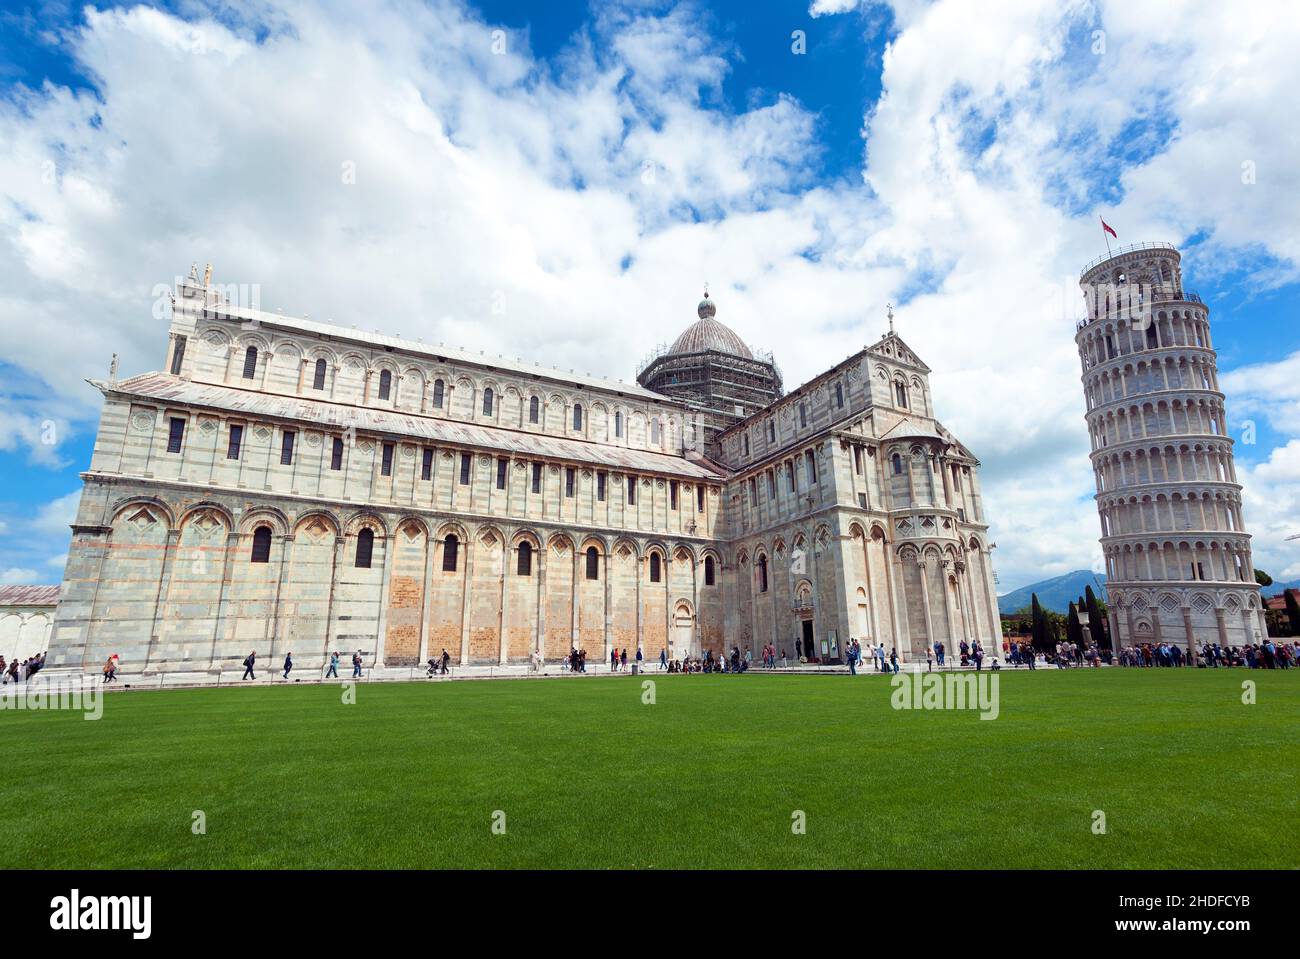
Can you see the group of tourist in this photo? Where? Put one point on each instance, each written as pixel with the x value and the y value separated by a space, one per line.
pixel 1269 654
pixel 575 661
pixel 618 660
pixel 250 663
pixel 736 662
pixel 20 672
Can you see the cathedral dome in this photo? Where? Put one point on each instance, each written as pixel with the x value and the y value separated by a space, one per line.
pixel 706 333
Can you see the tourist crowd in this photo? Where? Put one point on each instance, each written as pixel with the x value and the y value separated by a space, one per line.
pixel 20 672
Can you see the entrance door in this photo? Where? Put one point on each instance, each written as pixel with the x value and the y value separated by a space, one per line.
pixel 808 650
pixel 683 633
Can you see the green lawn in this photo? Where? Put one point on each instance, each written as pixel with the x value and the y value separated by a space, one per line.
pixel 708 776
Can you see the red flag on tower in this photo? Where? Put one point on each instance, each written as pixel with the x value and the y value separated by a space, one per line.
pixel 1106 226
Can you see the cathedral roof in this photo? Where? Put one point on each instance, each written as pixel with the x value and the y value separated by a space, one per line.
pixel 29 595
pixel 706 333
pixel 433 429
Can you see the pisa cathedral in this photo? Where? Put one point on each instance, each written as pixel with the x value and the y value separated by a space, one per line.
pixel 289 485
pixel 1178 561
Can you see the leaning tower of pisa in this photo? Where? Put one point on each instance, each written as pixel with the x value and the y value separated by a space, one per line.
pixel 1177 554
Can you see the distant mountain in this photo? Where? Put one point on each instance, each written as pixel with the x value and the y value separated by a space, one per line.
pixel 1059 592
pixel 1055 594
pixel 1279 587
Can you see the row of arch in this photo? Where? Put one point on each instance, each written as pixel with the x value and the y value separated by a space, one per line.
pixel 1183 416
pixel 1183 560
pixel 383 382
pixel 1140 599
pixel 1201 510
pixel 1159 377
pixel 1160 330
pixel 264 523
pixel 1187 463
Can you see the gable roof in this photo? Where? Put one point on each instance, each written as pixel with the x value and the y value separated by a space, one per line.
pixel 891 345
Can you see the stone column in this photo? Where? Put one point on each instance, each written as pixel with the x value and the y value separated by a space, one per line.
pixel 232 545
pixel 381 639
pixel 279 625
pixel 540 637
pixel 925 604
pixel 467 587
pixel 503 616
pixel 608 612
pixel 164 580
pixel 340 545
pixel 576 638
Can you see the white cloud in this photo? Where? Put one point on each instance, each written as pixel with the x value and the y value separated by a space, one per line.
pixel 1267 390
pixel 592 195
pixel 54 518
pixel 821 8
pixel 17 576
pixel 1271 509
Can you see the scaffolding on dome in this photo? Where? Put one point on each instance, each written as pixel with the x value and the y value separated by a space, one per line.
pixel 723 388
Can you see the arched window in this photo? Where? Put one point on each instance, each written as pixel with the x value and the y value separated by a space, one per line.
pixel 450 547
pixel 577 416
pixel 385 384
pixel 762 574
pixel 654 431
pixel 525 565
pixel 487 401
pixel 654 568
pixel 439 388
pixel 318 378
pixel 708 571
pixel 898 464
pixel 261 545
pixel 618 423
pixel 900 393
pixel 365 548
pixel 534 410
pixel 593 563
pixel 250 362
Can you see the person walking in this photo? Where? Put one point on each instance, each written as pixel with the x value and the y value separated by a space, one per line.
pixel 288 664
pixel 893 659
pixel 356 664
pixel 622 660
pixel 640 660
pixel 853 659
pixel 929 659
pixel 334 666
pixel 249 662
pixel 446 658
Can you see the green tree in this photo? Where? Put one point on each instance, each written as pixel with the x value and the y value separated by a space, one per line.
pixel 1098 623
pixel 1038 625
pixel 1073 630
pixel 1263 578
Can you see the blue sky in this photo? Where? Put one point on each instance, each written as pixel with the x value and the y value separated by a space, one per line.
pixel 810 160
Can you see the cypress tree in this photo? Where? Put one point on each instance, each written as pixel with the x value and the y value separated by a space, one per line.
pixel 1038 624
pixel 1073 630
pixel 1098 624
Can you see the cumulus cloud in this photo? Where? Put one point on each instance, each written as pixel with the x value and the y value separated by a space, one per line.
pixel 403 167
pixel 18 576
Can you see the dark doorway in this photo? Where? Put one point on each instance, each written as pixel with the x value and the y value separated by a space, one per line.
pixel 808 648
